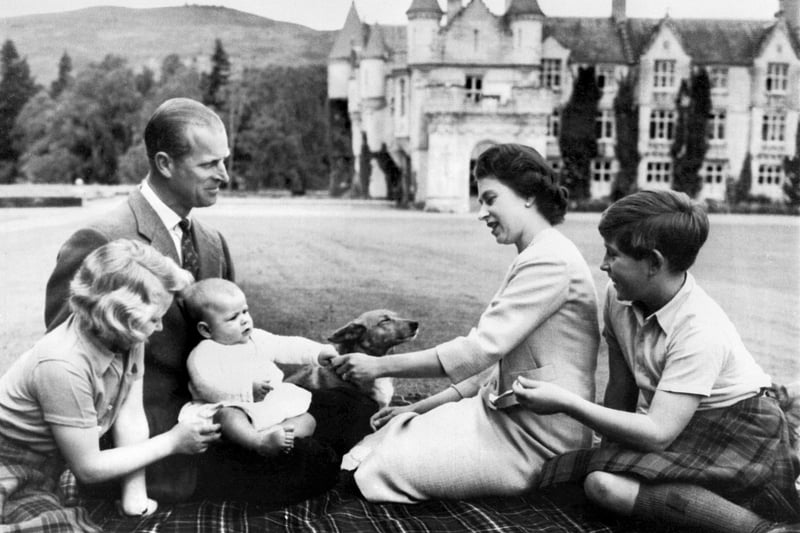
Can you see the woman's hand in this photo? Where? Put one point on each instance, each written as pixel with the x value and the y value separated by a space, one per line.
pixel 195 434
pixel 357 367
pixel 541 397
pixel 383 416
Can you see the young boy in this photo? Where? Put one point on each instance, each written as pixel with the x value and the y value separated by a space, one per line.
pixel 235 368
pixel 688 427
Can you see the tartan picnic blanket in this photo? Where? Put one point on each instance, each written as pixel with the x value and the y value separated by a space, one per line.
pixel 340 510
pixel 741 452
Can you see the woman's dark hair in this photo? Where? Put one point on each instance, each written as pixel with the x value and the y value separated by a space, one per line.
pixel 166 129
pixel 524 170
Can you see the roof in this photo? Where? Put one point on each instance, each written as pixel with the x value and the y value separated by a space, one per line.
pixel 376 46
pixel 604 40
pixel 425 6
pixel 524 7
pixel 352 33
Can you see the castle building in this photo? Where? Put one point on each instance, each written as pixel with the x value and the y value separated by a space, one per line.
pixel 446 86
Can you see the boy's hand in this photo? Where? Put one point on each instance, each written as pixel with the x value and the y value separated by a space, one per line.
pixel 541 397
pixel 261 389
pixel 326 355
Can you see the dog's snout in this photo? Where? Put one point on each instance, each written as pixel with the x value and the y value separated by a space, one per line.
pixel 414 325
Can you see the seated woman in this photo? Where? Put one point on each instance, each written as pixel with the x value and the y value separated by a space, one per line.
pixel 471 439
pixel 83 379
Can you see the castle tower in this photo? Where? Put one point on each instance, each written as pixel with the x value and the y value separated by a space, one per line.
pixel 526 20
pixel 373 66
pixel 350 38
pixel 423 28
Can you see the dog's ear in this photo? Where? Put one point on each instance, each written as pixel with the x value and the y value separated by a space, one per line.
pixel 348 333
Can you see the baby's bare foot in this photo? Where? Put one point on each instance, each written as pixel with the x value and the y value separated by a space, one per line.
pixel 276 440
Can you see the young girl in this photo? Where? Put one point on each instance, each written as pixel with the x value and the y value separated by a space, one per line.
pixel 691 436
pixel 83 379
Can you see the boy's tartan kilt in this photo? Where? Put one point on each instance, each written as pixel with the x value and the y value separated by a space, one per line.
pixel 29 494
pixel 740 452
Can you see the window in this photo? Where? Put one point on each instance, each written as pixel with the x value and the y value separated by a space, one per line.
pixel 777 77
pixel 474 86
pixel 664 74
pixel 713 173
pixel 773 127
pixel 770 174
pixel 718 76
pixel 662 125
pixel 554 123
pixel 551 73
pixel 401 87
pixel 659 172
pixel 605 77
pixel 716 126
pixel 601 170
pixel 604 124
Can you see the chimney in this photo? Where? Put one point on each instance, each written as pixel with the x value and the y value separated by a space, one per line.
pixel 453 7
pixel 618 10
pixel 791 13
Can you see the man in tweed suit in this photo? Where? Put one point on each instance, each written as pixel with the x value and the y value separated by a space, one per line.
pixel 186 147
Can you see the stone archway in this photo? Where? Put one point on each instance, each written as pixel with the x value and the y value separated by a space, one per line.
pixel 479 148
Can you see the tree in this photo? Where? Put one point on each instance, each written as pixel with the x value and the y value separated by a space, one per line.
pixel 64 79
pixel 791 168
pixel 626 115
pixel 92 125
pixel 217 79
pixel 691 135
pixel 578 140
pixel 145 81
pixel 16 88
pixel 739 191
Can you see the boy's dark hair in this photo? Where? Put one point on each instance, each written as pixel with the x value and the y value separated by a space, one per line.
pixel 525 171
pixel 667 221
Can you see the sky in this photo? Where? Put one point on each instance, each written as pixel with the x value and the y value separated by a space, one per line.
pixel 330 14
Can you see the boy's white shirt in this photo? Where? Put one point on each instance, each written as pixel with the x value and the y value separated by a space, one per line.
pixel 688 346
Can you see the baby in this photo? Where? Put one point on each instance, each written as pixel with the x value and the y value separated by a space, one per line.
pixel 234 368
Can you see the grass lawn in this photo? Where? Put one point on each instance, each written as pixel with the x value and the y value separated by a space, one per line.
pixel 309 266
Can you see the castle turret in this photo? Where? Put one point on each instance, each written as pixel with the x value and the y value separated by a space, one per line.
pixel 423 28
pixel 526 20
pixel 618 9
pixel 350 38
pixel 791 13
pixel 373 65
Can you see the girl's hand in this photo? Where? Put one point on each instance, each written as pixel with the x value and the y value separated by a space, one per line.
pixel 261 389
pixel 326 355
pixel 541 397
pixel 383 416
pixel 194 435
pixel 356 367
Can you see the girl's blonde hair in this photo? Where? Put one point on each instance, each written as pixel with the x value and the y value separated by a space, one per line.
pixel 115 286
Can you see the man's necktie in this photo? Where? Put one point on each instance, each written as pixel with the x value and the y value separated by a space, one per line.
pixel 190 260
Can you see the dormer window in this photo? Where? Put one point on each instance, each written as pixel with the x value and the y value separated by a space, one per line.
pixel 777 78
pixel 718 76
pixel 664 74
pixel 605 78
pixel 474 88
pixel 551 73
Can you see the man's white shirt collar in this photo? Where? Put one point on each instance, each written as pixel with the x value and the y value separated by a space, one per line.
pixel 168 217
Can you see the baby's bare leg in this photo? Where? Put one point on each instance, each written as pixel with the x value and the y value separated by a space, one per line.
pixel 303 425
pixel 236 427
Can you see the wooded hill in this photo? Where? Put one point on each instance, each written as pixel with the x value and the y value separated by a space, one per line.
pixel 145 36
